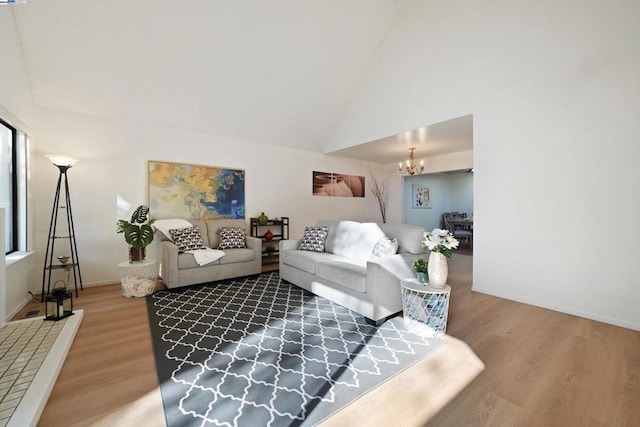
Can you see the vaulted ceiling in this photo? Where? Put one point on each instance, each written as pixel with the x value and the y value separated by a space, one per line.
pixel 277 72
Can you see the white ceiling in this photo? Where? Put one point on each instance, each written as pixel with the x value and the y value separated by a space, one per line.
pixel 451 136
pixel 277 72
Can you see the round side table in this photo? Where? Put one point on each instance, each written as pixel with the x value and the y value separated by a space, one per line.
pixel 139 278
pixel 425 309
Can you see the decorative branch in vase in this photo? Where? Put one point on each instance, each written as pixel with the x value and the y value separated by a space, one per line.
pixel 380 190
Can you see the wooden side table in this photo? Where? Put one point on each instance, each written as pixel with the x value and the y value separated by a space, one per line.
pixel 139 278
pixel 425 309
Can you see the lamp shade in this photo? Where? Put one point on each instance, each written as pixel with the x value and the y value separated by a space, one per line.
pixel 60 160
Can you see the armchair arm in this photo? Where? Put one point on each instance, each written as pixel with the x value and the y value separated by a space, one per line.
pixel 288 245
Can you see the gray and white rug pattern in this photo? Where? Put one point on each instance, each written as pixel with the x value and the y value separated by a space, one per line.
pixel 259 351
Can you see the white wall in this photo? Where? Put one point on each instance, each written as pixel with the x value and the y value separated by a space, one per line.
pixel 15 89
pixel 461 193
pixel 449 162
pixel 113 164
pixel 554 88
pixel 16 107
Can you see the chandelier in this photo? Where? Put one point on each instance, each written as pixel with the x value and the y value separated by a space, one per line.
pixel 411 168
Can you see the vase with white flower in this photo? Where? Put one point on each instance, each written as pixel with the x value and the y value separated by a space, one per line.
pixel 440 243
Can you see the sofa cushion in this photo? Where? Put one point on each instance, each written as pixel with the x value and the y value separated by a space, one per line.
pixel 409 237
pixel 352 239
pixel 187 239
pixel 346 272
pixel 231 256
pixel 186 261
pixel 237 255
pixel 341 236
pixel 213 227
pixel 369 233
pixel 232 238
pixel 305 260
pixel 384 247
pixel 313 239
pixel 164 225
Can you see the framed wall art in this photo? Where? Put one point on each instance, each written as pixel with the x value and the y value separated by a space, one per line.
pixel 421 196
pixel 187 191
pixel 337 184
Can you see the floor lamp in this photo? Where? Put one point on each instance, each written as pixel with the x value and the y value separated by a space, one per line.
pixel 61 202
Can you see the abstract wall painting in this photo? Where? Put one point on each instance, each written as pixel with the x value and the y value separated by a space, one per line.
pixel 421 196
pixel 195 192
pixel 337 184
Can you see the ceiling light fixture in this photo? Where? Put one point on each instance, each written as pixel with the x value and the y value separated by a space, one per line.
pixel 411 168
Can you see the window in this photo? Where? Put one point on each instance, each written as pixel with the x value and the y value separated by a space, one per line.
pixel 8 193
pixel 13 185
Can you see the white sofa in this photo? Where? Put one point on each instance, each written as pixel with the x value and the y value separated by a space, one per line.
pixel 348 274
pixel 182 269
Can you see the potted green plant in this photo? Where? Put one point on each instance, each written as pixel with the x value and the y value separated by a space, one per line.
pixel 420 266
pixel 137 232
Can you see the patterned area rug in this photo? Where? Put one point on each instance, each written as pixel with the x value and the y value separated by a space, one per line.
pixel 258 351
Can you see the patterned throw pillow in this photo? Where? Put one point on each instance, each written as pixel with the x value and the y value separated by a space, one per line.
pixel 313 239
pixel 187 239
pixel 232 238
pixel 384 247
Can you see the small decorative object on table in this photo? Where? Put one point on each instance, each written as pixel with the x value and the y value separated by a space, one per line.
pixel 439 242
pixel 63 259
pixel 268 235
pixel 420 266
pixel 137 233
pixel 263 219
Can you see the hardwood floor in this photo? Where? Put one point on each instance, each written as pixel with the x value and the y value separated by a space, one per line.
pixel 504 363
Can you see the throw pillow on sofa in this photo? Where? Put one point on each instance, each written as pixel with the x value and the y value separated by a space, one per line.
pixel 384 247
pixel 313 239
pixel 232 238
pixel 187 239
pixel 166 225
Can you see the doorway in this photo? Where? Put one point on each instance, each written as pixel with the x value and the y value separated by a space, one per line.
pixel 427 197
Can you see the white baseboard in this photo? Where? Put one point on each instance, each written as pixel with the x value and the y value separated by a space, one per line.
pixel 566 310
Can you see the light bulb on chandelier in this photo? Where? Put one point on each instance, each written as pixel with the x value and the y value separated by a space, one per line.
pixel 411 168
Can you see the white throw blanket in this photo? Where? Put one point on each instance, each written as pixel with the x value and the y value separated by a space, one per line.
pixel 205 256
pixel 164 225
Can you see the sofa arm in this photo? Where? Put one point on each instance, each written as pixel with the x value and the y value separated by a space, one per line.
pixel 383 281
pixel 169 260
pixel 394 266
pixel 289 245
pixel 254 243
